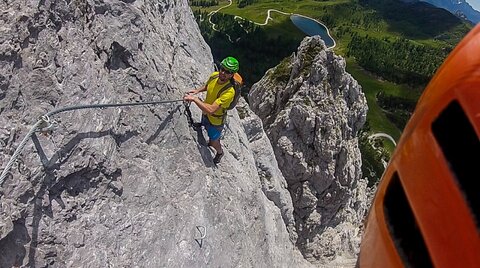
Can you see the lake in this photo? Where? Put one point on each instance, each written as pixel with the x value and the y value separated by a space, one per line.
pixel 312 27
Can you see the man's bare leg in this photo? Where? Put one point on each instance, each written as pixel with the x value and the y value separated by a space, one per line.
pixel 218 147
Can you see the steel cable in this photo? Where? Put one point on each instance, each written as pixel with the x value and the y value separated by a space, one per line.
pixel 46 119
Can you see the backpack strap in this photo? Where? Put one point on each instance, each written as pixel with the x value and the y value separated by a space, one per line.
pixel 227 86
pixel 220 92
pixel 211 78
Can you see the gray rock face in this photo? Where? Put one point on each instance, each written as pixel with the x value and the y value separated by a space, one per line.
pixel 273 183
pixel 124 187
pixel 312 111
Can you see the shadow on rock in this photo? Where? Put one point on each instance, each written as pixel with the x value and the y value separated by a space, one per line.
pixel 163 125
pixel 202 146
pixel 12 247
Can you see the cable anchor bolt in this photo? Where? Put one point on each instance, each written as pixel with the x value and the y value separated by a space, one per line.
pixel 47 125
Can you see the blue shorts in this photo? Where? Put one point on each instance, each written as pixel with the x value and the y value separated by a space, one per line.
pixel 214 132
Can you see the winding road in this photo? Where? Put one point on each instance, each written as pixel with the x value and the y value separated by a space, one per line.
pixel 268 16
pixel 213 24
pixel 383 135
pixel 267 19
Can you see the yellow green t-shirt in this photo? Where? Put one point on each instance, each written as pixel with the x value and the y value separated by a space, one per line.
pixel 223 100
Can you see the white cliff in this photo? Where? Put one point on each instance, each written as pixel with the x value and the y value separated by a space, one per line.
pixel 312 111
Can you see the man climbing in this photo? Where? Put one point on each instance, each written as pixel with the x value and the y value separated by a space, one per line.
pixel 220 94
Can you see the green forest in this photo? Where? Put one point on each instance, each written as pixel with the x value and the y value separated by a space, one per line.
pixel 397 59
pixel 256 50
pixel 392 49
pixel 203 3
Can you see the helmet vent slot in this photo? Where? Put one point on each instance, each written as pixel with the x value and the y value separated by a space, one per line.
pixel 403 227
pixel 461 148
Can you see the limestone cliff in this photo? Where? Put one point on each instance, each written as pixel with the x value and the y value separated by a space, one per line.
pixel 312 111
pixel 126 187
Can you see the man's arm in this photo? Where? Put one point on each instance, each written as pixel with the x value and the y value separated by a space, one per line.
pixel 205 107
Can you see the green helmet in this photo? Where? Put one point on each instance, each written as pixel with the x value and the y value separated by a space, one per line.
pixel 231 64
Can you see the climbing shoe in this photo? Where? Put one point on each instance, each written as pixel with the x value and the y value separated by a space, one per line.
pixel 217 158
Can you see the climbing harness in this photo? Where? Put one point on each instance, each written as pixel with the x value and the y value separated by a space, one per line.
pixel 45 124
